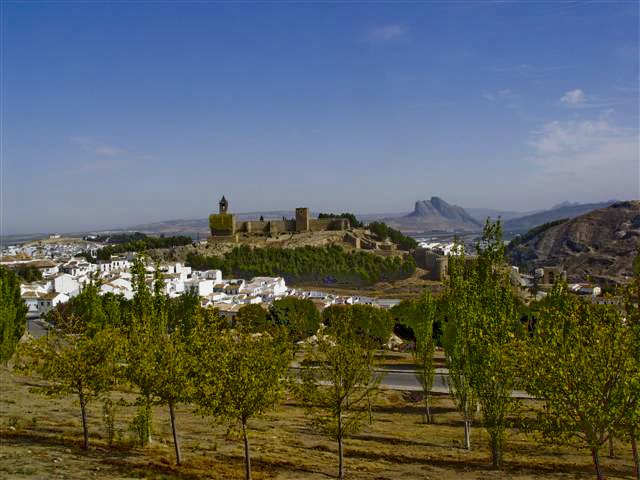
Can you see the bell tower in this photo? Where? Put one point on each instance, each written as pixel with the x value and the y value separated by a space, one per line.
pixel 224 205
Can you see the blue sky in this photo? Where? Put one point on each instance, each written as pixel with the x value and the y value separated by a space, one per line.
pixel 116 114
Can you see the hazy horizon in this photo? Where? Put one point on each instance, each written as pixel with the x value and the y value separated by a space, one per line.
pixel 122 114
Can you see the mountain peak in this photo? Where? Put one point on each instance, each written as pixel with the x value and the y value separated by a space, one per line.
pixel 437 214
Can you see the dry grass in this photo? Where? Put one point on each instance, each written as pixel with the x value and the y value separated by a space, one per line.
pixel 40 438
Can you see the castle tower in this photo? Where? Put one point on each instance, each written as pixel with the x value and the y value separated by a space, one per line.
pixel 302 219
pixel 224 205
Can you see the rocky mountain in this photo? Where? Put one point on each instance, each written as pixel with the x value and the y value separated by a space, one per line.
pixel 435 215
pixel 564 210
pixel 600 244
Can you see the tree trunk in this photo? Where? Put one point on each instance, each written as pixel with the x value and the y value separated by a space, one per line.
pixel 176 442
pixel 611 451
pixel 85 426
pixel 149 414
pixel 247 456
pixel 496 450
pixel 596 463
pixel 634 451
pixel 467 434
pixel 340 449
pixel 467 427
pixel 427 410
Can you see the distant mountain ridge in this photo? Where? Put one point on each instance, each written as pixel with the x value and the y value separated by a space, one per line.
pixel 435 215
pixel 481 214
pixel 564 210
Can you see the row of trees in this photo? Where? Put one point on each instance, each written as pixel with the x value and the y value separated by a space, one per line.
pixel 172 351
pixel 582 359
pixel 307 264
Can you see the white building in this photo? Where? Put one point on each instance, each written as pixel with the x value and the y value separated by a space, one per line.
pixel 40 303
pixel 119 286
pixel 65 283
pixel 203 288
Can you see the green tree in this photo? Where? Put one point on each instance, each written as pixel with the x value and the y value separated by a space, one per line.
pixel 74 364
pixel 338 377
pixel 298 316
pixel 86 308
pixel 252 379
pixel 631 425
pixel 496 328
pixel 143 330
pixel 582 360
pixel 425 349
pixel 29 273
pixel 13 314
pixel 251 318
pixel 372 325
pixel 457 339
pixel 422 317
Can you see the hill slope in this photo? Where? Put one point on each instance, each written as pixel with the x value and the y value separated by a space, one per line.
pixel 600 244
pixel 435 215
pixel 564 210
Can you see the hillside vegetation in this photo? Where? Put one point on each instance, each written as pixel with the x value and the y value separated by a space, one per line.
pixel 329 264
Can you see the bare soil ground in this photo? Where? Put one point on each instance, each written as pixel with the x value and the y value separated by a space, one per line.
pixel 40 439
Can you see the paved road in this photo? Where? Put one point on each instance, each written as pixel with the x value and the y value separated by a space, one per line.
pixel 37 327
pixel 407 380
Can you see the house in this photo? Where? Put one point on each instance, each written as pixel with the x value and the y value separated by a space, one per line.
pixel 228 310
pixel 234 287
pixel 215 275
pixel 119 286
pixel 203 288
pixel 265 286
pixel 40 303
pixel 65 283
pixel 178 269
pixel 47 267
pixel 78 267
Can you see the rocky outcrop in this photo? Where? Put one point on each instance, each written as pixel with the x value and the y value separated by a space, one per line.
pixel 435 215
pixel 600 244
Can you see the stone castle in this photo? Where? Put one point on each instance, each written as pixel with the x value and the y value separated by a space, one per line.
pixel 223 223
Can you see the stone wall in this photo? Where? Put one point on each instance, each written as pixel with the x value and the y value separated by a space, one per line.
pixel 437 265
pixel 324 224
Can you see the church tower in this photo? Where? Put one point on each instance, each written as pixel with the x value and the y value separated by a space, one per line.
pixel 224 205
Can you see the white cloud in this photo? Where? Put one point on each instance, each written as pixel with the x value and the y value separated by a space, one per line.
pixel 386 33
pixel 585 157
pixel 96 147
pixel 501 95
pixel 573 97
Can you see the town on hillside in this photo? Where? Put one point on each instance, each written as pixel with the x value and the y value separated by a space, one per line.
pixel 56 269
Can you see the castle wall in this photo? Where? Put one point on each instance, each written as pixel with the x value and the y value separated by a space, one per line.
pixel 266 226
pixel 437 265
pixel 224 224
pixel 323 224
